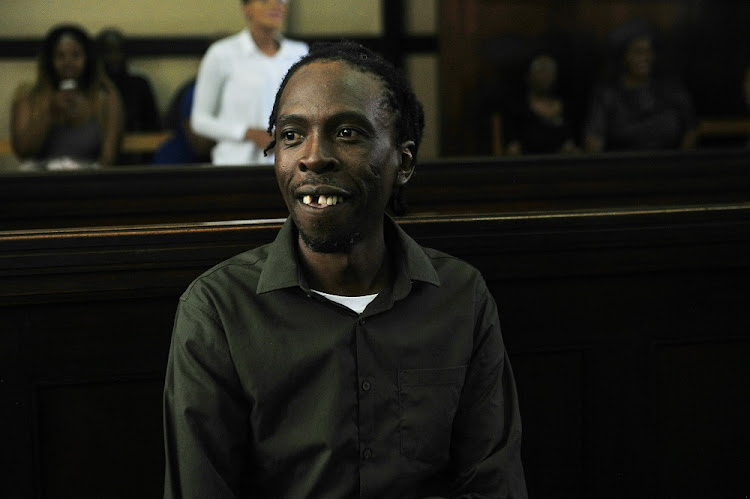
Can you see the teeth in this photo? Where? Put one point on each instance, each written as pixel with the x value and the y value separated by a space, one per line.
pixel 323 200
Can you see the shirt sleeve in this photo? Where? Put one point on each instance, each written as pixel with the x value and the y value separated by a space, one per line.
pixel 486 442
pixel 205 412
pixel 205 120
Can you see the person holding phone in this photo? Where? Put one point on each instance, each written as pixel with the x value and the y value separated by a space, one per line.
pixel 72 115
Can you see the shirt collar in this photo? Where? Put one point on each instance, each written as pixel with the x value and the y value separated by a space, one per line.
pixel 282 268
pixel 248 45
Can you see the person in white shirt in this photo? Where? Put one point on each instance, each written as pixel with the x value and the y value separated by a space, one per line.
pixel 237 82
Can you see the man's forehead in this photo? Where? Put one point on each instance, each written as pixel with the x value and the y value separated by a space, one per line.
pixel 339 76
pixel 331 84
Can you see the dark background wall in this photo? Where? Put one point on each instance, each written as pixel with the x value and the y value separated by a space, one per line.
pixel 485 46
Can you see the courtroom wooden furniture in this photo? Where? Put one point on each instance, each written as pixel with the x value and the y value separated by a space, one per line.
pixel 135 142
pixel 627 329
pixel 148 195
pixel 143 142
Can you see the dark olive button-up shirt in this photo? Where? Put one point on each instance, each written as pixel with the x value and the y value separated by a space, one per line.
pixel 274 391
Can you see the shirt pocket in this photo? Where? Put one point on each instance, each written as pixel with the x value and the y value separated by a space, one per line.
pixel 428 399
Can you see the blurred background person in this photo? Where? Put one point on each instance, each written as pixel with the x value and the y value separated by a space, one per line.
pixel 183 146
pixel 634 109
pixel 141 113
pixel 72 116
pixel 536 123
pixel 237 81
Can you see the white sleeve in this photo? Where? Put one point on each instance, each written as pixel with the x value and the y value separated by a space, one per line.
pixel 204 117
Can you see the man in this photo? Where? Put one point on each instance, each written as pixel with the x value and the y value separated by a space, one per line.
pixel 343 359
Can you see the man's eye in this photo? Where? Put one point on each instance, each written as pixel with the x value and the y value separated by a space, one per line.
pixel 289 136
pixel 349 133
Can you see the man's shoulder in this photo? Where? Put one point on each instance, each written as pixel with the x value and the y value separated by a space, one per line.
pixel 239 273
pixel 226 46
pixel 447 265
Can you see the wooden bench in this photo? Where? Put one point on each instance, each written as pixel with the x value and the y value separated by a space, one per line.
pixel 627 329
pixel 147 195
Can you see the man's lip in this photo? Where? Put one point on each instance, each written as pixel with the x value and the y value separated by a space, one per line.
pixel 320 190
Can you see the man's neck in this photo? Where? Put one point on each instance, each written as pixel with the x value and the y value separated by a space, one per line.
pixel 364 269
pixel 265 39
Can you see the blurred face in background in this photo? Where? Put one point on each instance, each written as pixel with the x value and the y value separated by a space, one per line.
pixel 68 58
pixel 543 73
pixel 639 57
pixel 265 14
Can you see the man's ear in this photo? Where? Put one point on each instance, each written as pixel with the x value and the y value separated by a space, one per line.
pixel 406 165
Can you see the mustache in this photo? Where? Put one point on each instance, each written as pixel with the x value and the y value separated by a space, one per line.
pixel 318 180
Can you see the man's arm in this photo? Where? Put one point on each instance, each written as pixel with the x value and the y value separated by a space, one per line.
pixel 486 441
pixel 205 411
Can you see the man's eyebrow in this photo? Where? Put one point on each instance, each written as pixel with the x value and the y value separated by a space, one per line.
pixel 289 118
pixel 341 117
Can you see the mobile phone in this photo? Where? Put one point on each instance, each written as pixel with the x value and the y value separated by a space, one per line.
pixel 68 84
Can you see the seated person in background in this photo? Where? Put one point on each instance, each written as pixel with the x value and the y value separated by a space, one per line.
pixel 237 80
pixel 141 114
pixel 537 124
pixel 184 146
pixel 636 110
pixel 343 359
pixel 72 115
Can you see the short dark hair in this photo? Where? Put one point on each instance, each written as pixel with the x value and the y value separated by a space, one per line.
pixel 46 55
pixel 399 98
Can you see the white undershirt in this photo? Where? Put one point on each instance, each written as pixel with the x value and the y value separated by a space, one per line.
pixel 356 303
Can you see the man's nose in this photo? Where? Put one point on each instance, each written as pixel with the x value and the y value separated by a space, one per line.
pixel 318 156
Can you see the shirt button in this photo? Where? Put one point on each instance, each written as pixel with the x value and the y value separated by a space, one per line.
pixel 366 385
pixel 367 454
pixel 361 322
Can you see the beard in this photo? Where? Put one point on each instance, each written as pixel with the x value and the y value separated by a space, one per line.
pixel 330 242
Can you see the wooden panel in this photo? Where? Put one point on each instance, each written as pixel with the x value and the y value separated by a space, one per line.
pixel 701 400
pixel 583 297
pixel 553 393
pixel 103 423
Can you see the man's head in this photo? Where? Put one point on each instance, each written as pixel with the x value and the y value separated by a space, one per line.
pixel 265 14
pixel 400 99
pixel 346 128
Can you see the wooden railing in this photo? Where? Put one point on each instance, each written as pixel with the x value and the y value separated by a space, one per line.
pixel 626 328
pixel 131 143
pixel 192 193
pixel 707 128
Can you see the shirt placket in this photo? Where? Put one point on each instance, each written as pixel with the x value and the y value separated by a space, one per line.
pixel 365 395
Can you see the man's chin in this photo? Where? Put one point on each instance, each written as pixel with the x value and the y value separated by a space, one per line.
pixel 337 243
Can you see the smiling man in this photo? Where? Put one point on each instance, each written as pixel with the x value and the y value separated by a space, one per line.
pixel 343 359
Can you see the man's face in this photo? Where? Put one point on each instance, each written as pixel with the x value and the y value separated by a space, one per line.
pixel 336 160
pixel 266 14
